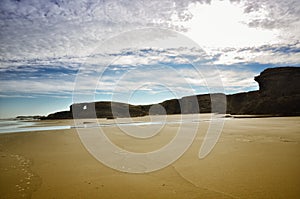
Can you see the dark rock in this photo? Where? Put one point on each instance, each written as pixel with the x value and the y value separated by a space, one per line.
pixel 278 94
pixel 59 115
pixel 35 117
pixel 282 81
pixel 106 110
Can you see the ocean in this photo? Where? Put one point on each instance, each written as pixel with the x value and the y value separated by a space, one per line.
pixel 16 126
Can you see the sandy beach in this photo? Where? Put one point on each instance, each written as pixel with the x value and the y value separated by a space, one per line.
pixel 254 158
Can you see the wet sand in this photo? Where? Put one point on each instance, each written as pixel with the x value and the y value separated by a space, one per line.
pixel 254 158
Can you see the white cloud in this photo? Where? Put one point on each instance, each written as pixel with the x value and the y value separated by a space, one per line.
pixel 56 87
pixel 40 29
pixel 238 80
pixel 74 29
pixel 67 36
pixel 266 54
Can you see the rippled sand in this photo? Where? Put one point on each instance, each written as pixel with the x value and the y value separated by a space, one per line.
pixel 254 158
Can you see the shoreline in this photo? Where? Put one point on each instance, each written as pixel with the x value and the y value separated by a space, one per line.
pixel 61 124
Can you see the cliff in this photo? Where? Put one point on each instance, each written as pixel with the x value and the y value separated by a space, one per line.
pixel 283 81
pixel 278 94
pixel 106 110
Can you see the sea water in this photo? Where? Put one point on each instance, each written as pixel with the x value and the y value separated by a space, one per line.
pixel 16 126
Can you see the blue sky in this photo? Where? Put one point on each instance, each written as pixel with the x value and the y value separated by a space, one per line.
pixel 54 53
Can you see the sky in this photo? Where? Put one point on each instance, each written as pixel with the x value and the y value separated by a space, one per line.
pixel 57 52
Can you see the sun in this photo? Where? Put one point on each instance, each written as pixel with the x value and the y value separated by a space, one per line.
pixel 224 24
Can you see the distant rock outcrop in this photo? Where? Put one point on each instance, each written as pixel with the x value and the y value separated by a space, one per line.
pixel 59 115
pixel 278 94
pixel 107 110
pixel 282 81
pixel 28 117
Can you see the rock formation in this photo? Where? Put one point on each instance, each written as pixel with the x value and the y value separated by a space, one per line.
pixel 283 81
pixel 278 94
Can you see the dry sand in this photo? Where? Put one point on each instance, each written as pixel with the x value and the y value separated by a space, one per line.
pixel 254 158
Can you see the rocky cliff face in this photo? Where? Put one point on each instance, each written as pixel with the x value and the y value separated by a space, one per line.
pixel 278 94
pixel 283 81
pixel 107 110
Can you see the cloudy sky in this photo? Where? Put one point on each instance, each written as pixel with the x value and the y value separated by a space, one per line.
pixel 56 52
